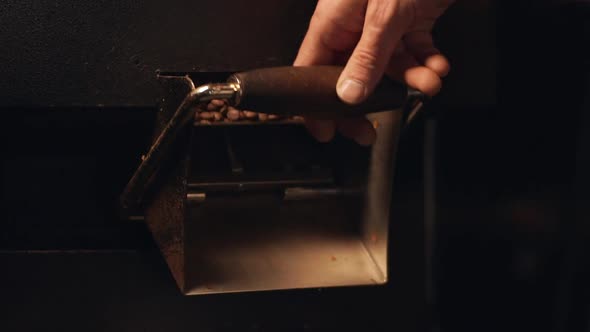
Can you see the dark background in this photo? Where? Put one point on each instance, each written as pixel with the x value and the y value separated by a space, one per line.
pixel 509 247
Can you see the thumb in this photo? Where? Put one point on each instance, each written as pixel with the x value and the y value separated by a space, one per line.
pixel 384 27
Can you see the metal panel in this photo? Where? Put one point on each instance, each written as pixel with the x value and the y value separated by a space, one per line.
pixel 107 53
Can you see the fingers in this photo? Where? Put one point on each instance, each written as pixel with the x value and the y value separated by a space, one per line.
pixel 421 46
pixel 358 129
pixel 400 62
pixel 385 23
pixel 423 79
pixel 372 29
pixel 334 28
pixel 404 67
pixel 321 130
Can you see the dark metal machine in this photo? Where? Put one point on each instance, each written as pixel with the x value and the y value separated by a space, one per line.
pixel 244 206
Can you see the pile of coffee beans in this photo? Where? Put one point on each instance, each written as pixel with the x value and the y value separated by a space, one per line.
pixel 219 111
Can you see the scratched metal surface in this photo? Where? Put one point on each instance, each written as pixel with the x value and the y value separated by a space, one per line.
pixel 107 52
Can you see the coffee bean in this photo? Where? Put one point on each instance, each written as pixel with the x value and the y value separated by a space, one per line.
pixel 218 102
pixel 197 115
pixel 212 107
pixel 206 115
pixel 233 114
pixel 219 110
pixel 250 115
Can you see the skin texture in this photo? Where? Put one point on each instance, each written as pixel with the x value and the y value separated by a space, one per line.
pixel 373 38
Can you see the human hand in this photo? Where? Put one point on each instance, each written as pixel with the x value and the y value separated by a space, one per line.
pixel 373 38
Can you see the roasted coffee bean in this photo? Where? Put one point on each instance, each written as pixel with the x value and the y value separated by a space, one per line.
pixel 262 116
pixel 233 114
pixel 212 107
pixel 206 115
pixel 197 115
pixel 218 102
pixel 250 115
pixel 219 110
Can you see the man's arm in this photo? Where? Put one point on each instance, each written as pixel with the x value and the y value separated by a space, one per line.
pixel 373 38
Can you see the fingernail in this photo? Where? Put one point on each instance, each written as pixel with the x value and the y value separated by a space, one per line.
pixel 351 91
